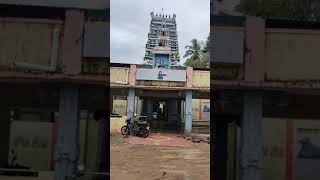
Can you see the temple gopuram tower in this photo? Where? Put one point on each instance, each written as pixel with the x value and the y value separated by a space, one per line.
pixel 162 46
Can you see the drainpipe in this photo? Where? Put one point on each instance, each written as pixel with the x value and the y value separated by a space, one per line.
pixel 53 58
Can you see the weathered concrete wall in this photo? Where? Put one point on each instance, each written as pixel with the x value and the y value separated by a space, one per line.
pixel 25 42
pixel 292 56
pixel 274 148
pixel 43 175
pixel 227 72
pixel 306 132
pixel 95 66
pixel 201 79
pixel 116 124
pixel 119 74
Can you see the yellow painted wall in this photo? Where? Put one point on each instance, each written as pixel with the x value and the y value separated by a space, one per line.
pixel 119 74
pixel 25 42
pixel 116 123
pixel 292 56
pixel 201 79
pixel 195 109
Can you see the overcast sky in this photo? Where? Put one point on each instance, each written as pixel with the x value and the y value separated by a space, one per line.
pixel 130 22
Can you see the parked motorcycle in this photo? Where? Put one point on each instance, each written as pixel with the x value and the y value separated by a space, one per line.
pixel 139 127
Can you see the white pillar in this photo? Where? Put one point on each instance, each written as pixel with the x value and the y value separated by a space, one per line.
pixel 130 103
pixel 188 111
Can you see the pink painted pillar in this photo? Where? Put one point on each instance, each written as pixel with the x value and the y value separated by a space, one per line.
pixel 72 42
pixel 132 74
pixel 189 77
pixel 255 43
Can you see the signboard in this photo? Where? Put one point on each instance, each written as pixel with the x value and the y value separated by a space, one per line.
pixel 31 144
pixel 120 107
pixel 161 75
pixel 205 109
pixel 201 109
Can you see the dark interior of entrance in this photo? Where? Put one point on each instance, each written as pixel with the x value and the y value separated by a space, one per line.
pixel 160 111
pixel 164 114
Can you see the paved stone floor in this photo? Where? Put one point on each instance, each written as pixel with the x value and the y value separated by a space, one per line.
pixel 159 157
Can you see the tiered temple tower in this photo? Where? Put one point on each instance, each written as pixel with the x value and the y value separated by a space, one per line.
pixel 162 46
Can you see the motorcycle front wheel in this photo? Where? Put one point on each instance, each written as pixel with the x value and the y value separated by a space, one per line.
pixel 146 133
pixel 125 130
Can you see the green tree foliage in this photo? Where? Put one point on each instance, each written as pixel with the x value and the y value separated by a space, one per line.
pixel 193 51
pixel 198 54
pixel 303 10
pixel 206 47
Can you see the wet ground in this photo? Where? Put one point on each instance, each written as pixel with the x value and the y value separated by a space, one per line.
pixel 159 157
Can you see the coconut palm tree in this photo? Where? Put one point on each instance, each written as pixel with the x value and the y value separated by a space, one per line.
pixel 193 51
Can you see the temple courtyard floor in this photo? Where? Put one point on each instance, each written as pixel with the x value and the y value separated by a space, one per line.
pixel 159 157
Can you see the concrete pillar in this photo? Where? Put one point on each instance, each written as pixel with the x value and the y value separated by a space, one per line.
pixel 72 41
pixel 179 113
pixel 188 111
pixel 251 145
pixel 102 145
pixel 255 43
pixel 67 133
pixel 130 103
pixel 132 74
pixel 220 153
pixel 149 108
pixel 105 148
pixel 189 77
pixel 4 133
pixel 173 113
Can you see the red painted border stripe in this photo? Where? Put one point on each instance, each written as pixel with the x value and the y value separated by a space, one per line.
pixel 289 148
